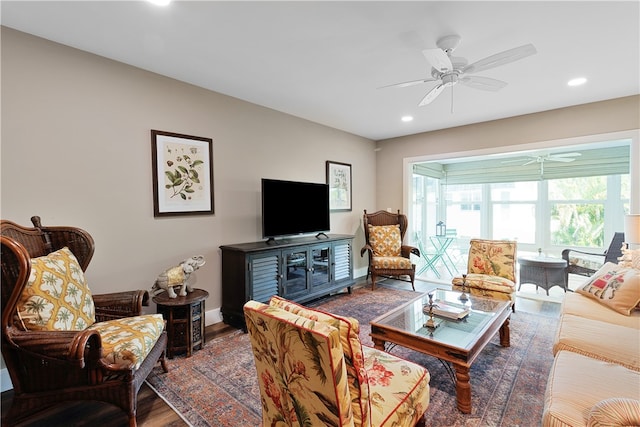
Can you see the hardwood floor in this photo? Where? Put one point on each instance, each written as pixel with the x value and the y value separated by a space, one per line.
pixel 154 412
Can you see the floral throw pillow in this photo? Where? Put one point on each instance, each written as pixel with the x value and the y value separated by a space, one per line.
pixel 614 286
pixel 56 297
pixel 385 240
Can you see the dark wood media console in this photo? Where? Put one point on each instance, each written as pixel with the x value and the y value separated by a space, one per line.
pixel 299 269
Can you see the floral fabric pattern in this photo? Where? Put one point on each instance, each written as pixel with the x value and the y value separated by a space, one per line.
pixel 291 346
pixel 56 297
pixel 126 342
pixel 385 240
pixel 492 257
pixel 388 379
pixel 483 281
pixel 300 367
pixel 349 329
pixel 388 262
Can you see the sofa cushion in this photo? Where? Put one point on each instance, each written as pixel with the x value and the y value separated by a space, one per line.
pixel 126 342
pixel 484 281
pixel 391 404
pixel 349 329
pixel 600 340
pixel 297 356
pixel 56 297
pixel 391 263
pixel 575 303
pixel 385 240
pixel 577 383
pixel 616 411
pixel 615 287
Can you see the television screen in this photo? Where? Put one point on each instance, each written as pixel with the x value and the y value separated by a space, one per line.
pixel 290 208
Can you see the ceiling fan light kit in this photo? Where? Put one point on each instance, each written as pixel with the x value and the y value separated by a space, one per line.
pixel 450 70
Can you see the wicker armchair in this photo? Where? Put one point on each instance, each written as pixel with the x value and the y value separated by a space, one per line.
pixel 587 263
pixel 48 367
pixel 388 257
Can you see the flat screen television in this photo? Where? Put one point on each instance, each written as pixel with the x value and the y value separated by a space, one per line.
pixel 291 208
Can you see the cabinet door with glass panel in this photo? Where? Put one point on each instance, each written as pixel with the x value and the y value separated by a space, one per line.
pixel 294 272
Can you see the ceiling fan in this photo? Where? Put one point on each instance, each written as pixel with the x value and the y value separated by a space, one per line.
pixel 450 70
pixel 560 157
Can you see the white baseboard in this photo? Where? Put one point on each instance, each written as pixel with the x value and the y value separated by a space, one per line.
pixel 5 380
pixel 212 316
pixel 360 273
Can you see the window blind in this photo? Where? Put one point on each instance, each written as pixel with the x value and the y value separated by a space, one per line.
pixel 594 162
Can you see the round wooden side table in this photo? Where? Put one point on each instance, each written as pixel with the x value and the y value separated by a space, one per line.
pixel 185 321
pixel 542 271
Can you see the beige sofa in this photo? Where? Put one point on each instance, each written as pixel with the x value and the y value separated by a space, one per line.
pixel 595 377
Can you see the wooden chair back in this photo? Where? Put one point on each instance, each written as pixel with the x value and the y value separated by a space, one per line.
pixel 384 218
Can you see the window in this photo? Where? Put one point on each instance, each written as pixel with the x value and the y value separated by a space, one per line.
pixel 513 209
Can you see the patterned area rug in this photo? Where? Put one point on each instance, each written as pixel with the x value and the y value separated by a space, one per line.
pixel 218 386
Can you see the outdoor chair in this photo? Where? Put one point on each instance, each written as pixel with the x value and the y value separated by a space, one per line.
pixel 587 263
pixel 491 270
pixel 61 343
pixel 313 371
pixel 388 257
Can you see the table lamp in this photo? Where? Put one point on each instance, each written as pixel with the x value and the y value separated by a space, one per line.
pixel 632 230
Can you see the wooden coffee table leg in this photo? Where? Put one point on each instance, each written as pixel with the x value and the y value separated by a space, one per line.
pixel 378 344
pixel 505 335
pixel 463 388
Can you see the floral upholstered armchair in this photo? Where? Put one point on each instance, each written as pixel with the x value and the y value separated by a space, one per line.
pixel 388 256
pixel 313 371
pixel 60 342
pixel 491 270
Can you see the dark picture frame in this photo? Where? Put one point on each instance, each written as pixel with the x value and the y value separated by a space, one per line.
pixel 340 190
pixel 182 174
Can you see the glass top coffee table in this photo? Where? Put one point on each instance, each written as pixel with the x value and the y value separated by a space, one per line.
pixel 457 342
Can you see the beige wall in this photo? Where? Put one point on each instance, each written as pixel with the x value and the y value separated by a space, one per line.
pixel 76 150
pixel 566 124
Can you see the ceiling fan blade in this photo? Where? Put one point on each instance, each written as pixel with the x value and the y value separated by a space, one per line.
pixel 433 94
pixel 506 162
pixel 501 58
pixel 438 59
pixel 560 159
pixel 484 83
pixel 409 83
pixel 566 155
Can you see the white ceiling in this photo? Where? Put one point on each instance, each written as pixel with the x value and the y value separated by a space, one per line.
pixel 324 61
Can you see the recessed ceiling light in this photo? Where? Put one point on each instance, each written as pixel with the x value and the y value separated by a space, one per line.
pixel 577 81
pixel 406 118
pixel 160 2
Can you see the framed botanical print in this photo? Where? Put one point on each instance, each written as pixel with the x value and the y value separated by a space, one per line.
pixel 339 180
pixel 182 174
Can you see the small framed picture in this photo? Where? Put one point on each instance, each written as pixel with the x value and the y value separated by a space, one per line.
pixel 339 180
pixel 182 174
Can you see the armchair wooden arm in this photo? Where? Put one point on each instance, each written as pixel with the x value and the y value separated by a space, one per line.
pixel 366 248
pixel 409 250
pixel 65 346
pixel 613 252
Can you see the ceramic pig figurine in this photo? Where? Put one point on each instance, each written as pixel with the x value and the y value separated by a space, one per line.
pixel 176 277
